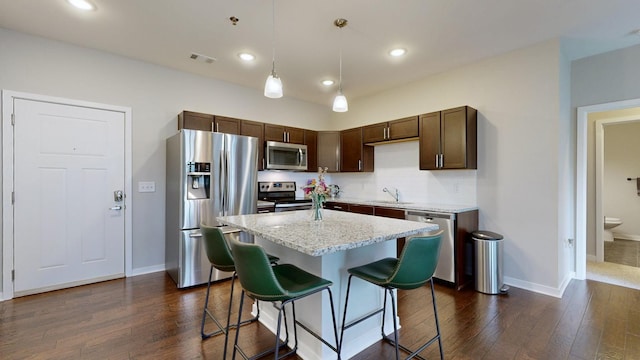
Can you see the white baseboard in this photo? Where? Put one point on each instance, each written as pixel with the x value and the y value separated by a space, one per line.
pixel 542 289
pixel 591 257
pixel 147 270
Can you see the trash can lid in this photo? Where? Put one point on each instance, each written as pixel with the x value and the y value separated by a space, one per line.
pixel 486 235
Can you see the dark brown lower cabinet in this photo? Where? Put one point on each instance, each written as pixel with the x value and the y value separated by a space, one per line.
pixel 396 214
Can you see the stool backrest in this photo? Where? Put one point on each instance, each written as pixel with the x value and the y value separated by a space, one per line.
pixel 417 263
pixel 255 272
pixel 217 249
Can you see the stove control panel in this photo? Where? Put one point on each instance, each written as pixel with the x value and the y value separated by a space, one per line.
pixel 279 186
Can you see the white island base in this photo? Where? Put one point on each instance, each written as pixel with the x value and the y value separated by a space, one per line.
pixel 327 249
pixel 315 310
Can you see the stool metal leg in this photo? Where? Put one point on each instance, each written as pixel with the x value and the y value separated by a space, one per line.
pixel 281 315
pixel 393 341
pixel 206 313
pixel 435 313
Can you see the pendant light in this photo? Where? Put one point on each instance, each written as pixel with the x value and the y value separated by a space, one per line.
pixel 273 85
pixel 340 102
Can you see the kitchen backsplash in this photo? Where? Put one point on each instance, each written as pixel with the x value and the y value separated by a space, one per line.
pixel 396 167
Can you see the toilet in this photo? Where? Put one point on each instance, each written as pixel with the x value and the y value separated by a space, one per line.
pixel 610 223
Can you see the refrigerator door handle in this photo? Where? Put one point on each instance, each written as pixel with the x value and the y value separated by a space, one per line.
pixel 195 235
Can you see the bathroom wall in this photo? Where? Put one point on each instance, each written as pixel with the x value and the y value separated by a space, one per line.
pixel 621 161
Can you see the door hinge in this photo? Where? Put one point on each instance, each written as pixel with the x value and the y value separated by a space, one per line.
pixel 13 197
pixel 13 275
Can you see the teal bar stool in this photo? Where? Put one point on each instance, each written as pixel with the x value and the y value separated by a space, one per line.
pixel 283 283
pixel 220 257
pixel 412 270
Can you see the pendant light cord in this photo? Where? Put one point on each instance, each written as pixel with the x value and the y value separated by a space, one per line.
pixel 340 79
pixel 273 36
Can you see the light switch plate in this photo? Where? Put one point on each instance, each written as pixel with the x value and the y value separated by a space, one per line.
pixel 146 186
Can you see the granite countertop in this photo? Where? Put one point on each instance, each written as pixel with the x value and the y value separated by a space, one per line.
pixel 338 230
pixel 409 205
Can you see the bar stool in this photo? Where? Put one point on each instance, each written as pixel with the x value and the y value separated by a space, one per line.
pixel 283 283
pixel 220 257
pixel 412 270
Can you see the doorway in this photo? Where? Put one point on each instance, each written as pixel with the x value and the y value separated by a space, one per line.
pixel 66 173
pixel 583 197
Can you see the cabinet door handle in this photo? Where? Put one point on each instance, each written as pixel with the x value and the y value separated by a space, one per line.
pixel 441 161
pixel 284 136
pixel 388 133
pixel 212 130
pixel 437 161
pixel 359 165
pixel 217 127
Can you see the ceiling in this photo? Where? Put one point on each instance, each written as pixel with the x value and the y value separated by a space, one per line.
pixel 438 34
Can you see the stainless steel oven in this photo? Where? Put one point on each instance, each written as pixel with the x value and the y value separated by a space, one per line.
pixel 283 194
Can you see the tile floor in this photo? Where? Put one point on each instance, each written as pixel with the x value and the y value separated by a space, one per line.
pixel 611 273
pixel 623 252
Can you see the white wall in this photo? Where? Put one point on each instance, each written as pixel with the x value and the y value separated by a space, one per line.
pixel 520 120
pixel 622 161
pixel 517 96
pixel 156 95
pixel 600 79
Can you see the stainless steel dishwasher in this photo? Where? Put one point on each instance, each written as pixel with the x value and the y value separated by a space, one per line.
pixel 445 221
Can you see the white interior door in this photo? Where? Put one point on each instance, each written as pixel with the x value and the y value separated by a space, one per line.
pixel 69 227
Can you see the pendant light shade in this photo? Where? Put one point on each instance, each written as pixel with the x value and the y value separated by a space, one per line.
pixel 273 85
pixel 340 101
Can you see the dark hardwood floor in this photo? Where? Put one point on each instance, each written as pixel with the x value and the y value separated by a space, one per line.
pixel 146 317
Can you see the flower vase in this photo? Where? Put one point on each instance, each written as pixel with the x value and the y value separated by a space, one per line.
pixel 316 208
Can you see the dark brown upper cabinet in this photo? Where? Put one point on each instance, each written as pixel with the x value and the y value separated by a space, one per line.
pixel 226 125
pixel 448 139
pixel 283 134
pixel 391 131
pixel 255 129
pixel 354 155
pixel 329 150
pixel 311 140
pixel 195 121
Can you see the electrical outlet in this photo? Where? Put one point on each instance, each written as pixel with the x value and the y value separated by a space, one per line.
pixel 146 186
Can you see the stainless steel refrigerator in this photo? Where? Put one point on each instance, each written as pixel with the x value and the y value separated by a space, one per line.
pixel 208 175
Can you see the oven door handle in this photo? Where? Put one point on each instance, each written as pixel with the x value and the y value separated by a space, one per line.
pixel 290 205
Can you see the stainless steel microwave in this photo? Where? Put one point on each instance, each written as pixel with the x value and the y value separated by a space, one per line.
pixel 285 156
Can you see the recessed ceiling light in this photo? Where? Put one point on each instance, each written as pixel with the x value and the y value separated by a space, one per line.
pixel 328 82
pixel 397 52
pixel 247 56
pixel 82 4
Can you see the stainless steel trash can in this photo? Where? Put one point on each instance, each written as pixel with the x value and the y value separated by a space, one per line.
pixel 488 251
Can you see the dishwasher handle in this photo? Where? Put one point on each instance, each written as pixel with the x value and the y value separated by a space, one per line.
pixel 436 215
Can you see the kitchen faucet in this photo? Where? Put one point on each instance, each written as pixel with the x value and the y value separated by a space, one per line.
pixel 396 196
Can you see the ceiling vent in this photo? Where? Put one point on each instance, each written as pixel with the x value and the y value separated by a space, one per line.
pixel 203 58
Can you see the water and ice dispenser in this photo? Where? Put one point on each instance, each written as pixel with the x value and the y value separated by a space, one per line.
pixel 198 180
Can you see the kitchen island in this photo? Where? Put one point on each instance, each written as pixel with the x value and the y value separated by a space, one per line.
pixel 328 248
